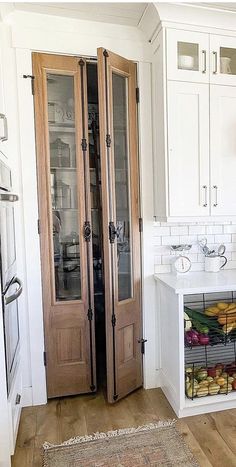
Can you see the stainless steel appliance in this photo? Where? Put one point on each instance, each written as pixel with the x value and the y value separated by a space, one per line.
pixel 11 285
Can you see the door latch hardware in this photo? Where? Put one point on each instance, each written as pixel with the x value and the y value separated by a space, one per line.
pixel 112 232
pixel 137 95
pixel 90 314
pixel 142 342
pixel 84 144
pixel 44 359
pixel 87 231
pixel 18 399
pixel 113 320
pixel 39 230
pixel 108 141
pixel 140 222
pixel 32 77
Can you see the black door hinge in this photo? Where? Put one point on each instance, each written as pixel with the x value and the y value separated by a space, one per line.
pixel 142 342
pixel 84 144
pixel 90 314
pixel 137 95
pixel 108 141
pixel 39 230
pixel 140 223
pixel 87 231
pixel 32 77
pixel 44 359
pixel 113 320
pixel 112 232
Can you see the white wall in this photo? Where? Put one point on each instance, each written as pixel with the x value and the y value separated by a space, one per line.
pixel 35 32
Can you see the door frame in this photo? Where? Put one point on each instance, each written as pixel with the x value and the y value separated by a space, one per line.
pixel 34 287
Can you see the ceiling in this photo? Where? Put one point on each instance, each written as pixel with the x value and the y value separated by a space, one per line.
pixel 230 6
pixel 118 13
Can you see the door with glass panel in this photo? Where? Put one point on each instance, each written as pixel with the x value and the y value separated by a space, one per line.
pixel 64 211
pixel 187 56
pixel 120 199
pixel 223 60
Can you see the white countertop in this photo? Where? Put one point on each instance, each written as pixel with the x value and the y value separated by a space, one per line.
pixel 199 282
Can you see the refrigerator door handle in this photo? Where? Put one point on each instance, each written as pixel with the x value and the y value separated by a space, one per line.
pixel 16 294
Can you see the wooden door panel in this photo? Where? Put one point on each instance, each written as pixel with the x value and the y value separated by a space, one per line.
pixel 62 163
pixel 121 239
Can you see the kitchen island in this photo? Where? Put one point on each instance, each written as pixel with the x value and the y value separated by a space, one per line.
pixel 196 291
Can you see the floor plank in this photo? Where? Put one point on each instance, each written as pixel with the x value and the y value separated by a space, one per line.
pixel 212 437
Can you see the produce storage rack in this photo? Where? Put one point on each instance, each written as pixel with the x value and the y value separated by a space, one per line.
pixel 212 352
pixel 196 292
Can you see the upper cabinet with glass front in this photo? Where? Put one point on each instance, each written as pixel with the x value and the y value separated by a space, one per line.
pixel 223 60
pixel 201 57
pixel 187 56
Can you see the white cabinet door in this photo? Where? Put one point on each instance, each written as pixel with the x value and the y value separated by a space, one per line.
pixel 3 118
pixel 187 56
pixel 223 149
pixel 188 147
pixel 223 60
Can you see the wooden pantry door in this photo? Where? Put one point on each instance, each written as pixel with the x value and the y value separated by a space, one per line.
pixel 64 214
pixel 120 200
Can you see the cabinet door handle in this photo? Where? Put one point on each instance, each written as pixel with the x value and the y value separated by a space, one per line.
pixel 205 191
pixel 215 63
pixel 5 128
pixel 204 61
pixel 216 196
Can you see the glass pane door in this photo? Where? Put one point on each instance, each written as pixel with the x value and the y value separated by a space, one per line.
pixel 63 181
pixel 187 56
pixel 228 60
pixel 122 185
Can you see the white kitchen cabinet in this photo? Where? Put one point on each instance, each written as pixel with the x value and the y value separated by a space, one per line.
pixel 194 144
pixel 3 117
pixel 187 56
pixel 223 149
pixel 188 148
pixel 222 60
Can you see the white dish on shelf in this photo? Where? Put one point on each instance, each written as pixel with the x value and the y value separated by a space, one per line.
pixel 186 62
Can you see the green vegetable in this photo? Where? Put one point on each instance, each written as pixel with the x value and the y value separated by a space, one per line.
pixel 202 320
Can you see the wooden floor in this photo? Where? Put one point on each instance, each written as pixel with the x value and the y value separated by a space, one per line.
pixel 212 438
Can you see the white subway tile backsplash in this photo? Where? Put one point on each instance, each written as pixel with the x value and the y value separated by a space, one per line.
pixel 214 229
pixel 197 229
pixel 166 234
pixel 229 229
pixel 209 238
pixel 179 230
pixel 169 259
pixel 170 240
pixel 224 238
pixel 188 239
pixel 161 231
pixel 197 267
pixel 162 268
pixel 157 259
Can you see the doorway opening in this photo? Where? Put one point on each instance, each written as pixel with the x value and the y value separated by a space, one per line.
pixel 96 220
pixel 88 190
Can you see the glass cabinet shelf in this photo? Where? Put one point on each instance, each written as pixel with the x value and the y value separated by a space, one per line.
pixel 66 169
pixel 62 127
